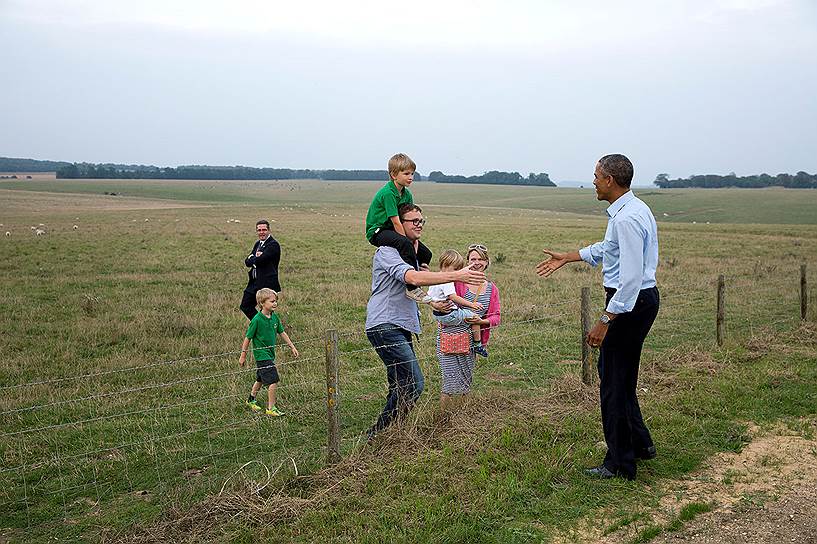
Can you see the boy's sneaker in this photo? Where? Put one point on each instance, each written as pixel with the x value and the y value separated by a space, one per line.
pixel 481 350
pixel 253 406
pixel 274 412
pixel 417 295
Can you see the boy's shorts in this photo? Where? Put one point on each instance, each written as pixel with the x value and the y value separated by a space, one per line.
pixel 266 373
pixel 454 317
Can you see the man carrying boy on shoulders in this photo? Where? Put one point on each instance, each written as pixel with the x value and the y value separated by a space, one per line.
pixel 391 318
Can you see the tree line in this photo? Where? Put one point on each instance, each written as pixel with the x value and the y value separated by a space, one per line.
pixel 117 171
pixel 113 171
pixel 11 164
pixel 800 180
pixel 496 178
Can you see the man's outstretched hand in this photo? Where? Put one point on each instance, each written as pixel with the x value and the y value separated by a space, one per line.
pixel 473 277
pixel 551 265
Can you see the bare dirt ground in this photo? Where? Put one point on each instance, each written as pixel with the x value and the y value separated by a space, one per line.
pixel 767 493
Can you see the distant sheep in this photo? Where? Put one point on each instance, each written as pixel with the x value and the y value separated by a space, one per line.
pixel 39 232
pixel 75 227
pixel 8 234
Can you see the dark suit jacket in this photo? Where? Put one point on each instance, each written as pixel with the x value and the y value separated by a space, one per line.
pixel 266 266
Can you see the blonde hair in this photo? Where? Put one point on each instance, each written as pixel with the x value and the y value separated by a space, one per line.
pixel 451 258
pixel 401 162
pixel 480 250
pixel 262 295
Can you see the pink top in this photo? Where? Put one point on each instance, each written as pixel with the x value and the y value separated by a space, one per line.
pixel 492 315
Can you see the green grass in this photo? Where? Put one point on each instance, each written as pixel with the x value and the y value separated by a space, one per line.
pixel 120 292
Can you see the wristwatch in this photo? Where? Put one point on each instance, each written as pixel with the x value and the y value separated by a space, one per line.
pixel 605 319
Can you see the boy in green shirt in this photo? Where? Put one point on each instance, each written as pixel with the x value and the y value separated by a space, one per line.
pixel 383 226
pixel 262 331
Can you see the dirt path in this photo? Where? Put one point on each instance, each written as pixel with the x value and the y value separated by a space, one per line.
pixel 767 493
pixel 790 518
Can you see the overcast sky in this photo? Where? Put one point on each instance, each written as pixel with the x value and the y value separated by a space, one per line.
pixel 681 86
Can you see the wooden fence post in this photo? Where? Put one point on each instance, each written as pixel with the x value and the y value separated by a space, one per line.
pixel 719 318
pixel 803 293
pixel 332 412
pixel 587 376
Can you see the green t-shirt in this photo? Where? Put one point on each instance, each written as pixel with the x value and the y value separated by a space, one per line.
pixel 384 205
pixel 263 331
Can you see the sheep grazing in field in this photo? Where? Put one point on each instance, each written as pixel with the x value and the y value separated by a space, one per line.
pixel 75 227
pixel 146 220
pixel 8 234
pixel 33 228
pixel 39 232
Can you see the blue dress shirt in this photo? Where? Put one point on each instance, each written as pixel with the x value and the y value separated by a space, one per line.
pixel 628 253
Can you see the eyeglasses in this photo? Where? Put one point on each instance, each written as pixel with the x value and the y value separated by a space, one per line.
pixel 478 247
pixel 416 222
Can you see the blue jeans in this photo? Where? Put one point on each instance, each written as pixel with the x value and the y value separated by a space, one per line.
pixel 403 373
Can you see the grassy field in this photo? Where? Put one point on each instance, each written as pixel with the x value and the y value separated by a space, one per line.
pixel 121 402
pixel 765 206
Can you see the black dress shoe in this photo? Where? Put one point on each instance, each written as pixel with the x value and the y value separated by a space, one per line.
pixel 647 454
pixel 600 472
pixel 604 473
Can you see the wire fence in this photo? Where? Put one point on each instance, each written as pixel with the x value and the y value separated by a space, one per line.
pixel 65 458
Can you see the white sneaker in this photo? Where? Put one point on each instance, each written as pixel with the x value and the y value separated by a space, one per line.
pixel 417 294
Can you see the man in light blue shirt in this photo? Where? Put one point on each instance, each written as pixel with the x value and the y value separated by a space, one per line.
pixel 629 257
pixel 391 317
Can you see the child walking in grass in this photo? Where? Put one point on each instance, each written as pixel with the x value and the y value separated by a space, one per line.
pixel 450 261
pixel 263 331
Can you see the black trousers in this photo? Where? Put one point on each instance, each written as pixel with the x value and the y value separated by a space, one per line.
pixel 248 302
pixel 391 238
pixel 626 434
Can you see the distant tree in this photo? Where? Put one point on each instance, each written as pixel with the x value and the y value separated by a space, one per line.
pixel 801 180
pixel 494 177
pixel 661 180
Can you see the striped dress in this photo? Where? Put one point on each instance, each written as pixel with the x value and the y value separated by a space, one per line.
pixel 458 369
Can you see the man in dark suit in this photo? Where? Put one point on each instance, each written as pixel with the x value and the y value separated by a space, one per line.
pixel 263 267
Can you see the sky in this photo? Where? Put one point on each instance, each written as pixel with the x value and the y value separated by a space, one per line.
pixel 682 87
